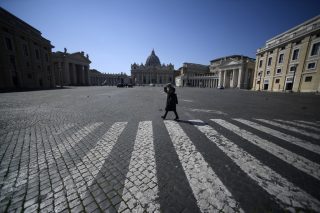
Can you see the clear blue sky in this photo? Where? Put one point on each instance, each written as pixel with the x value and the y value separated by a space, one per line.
pixel 117 33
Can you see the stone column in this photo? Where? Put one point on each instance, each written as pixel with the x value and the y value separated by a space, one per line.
pixel 234 79
pixel 83 75
pixel 86 75
pixel 220 78
pixel 75 74
pixel 67 73
pixel 71 73
pixel 63 72
pixel 224 78
pixel 239 78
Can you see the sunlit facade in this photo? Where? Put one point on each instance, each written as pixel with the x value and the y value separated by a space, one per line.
pixel 234 71
pixel 290 61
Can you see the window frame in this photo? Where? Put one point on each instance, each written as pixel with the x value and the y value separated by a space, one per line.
pixel 308 77
pixel 312 62
pixel 10 46
pixel 25 49
pixel 269 61
pixel 260 63
pixel 291 66
pixel 297 58
pixel 281 56
pixel 312 46
pixel 37 53
pixel 278 73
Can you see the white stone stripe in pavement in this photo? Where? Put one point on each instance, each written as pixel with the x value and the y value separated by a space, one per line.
pixel 57 151
pixel 97 156
pixel 308 122
pixel 209 191
pixel 20 177
pixel 291 128
pixel 65 127
pixel 141 184
pixel 286 194
pixel 92 162
pixel 291 139
pixel 293 159
pixel 299 124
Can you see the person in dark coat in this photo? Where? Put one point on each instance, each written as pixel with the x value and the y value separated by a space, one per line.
pixel 172 101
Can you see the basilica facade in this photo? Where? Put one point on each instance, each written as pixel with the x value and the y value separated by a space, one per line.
pixel 152 72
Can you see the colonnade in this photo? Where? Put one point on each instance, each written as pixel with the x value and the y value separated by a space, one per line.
pixel 153 78
pixel 202 80
pixel 210 83
pixel 230 78
pixel 71 74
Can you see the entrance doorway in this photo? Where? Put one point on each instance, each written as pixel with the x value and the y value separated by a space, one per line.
pixel 265 86
pixel 289 86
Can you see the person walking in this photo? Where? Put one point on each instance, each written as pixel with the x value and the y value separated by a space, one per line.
pixel 172 101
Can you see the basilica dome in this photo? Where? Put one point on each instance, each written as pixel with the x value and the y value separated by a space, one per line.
pixel 153 60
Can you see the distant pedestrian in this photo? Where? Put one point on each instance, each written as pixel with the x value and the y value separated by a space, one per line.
pixel 172 101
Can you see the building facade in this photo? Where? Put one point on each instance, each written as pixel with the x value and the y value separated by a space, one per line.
pixel 25 56
pixel 196 75
pixel 103 79
pixel 152 72
pixel 71 68
pixel 235 71
pixel 290 61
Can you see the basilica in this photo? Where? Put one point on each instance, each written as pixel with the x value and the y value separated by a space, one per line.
pixel 152 72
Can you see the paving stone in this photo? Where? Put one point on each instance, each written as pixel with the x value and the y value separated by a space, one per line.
pixel 104 204
pixel 89 199
pixel 91 207
pixel 111 209
pixel 31 208
pixel 48 208
pixel 60 207
pixel 78 208
pixel 116 200
pixel 29 203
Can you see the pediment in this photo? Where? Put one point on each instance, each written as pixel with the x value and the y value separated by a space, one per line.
pixel 231 63
pixel 79 57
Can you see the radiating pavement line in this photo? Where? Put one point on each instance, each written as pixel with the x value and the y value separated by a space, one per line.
pixel 211 194
pixel 291 139
pixel 64 128
pixel 141 184
pixel 299 124
pixel 291 128
pixel 15 180
pixel 291 158
pixel 62 147
pixel 286 193
pixel 93 161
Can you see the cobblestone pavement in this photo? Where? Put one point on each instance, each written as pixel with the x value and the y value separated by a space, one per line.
pixel 101 149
